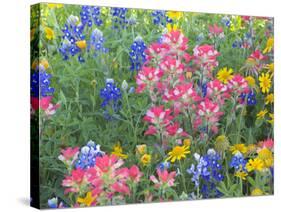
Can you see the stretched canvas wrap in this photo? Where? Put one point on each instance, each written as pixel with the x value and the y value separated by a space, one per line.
pixel 139 106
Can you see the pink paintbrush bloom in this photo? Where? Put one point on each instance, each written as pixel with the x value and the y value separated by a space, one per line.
pixel 206 57
pixel 69 155
pixel 157 50
pixel 147 78
pixel 107 163
pixel 174 129
pixel 216 31
pixel 172 67
pixel 158 115
pixel 257 55
pixel 46 105
pixel 74 181
pixel 151 130
pixel 255 62
pixel 238 85
pixel 208 108
pixel 208 113
pixel 184 93
pixel 268 143
pixel 165 179
pixel 120 187
pixel 135 173
pixel 218 91
pixel 176 40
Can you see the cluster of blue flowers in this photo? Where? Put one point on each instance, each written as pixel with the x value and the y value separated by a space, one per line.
pixel 204 89
pixel 97 42
pixel 91 15
pixel 111 96
pixel 87 155
pixel 200 38
pixel 72 32
pixel 226 21
pixel 208 169
pixel 238 162
pixel 119 17
pixel 137 54
pixel 160 18
pixel 251 98
pixel 244 42
pixel 164 165
pixel 41 84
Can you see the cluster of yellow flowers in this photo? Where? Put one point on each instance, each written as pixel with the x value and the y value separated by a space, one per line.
pixel 142 154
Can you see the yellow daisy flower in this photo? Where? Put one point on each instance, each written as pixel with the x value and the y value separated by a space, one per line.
pixel 265 82
pixel 88 200
pixel 262 114
pixel 251 81
pixel 172 27
pixel 270 67
pixel 251 148
pixel 141 149
pixel 269 99
pixel 254 165
pixel 241 174
pixel 145 159
pixel 271 121
pixel 49 33
pixel 224 75
pixel 267 157
pixel 118 151
pixel 174 14
pixel 177 153
pixel 81 44
pixel 256 192
pixel 236 148
pixel 187 142
pixel 269 45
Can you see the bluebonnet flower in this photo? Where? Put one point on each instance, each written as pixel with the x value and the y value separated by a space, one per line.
pixel 164 165
pixel 204 89
pixel 88 154
pixel 200 38
pixel 160 18
pixel 226 21
pixel 131 90
pixel 208 170
pixel 53 203
pixel 97 42
pixel 238 162
pixel 245 42
pixel 72 32
pixel 111 96
pixel 251 98
pixel 41 84
pixel 91 15
pixel 137 54
pixel 132 20
pixel 119 17
pixel 248 40
pixel 237 43
pixel 200 170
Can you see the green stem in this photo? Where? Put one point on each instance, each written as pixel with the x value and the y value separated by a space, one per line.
pixel 239 126
pixel 131 119
pixel 183 178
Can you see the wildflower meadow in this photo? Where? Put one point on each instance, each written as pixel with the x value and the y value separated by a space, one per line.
pixel 138 106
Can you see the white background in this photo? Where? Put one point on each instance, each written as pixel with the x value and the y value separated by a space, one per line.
pixel 14 105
